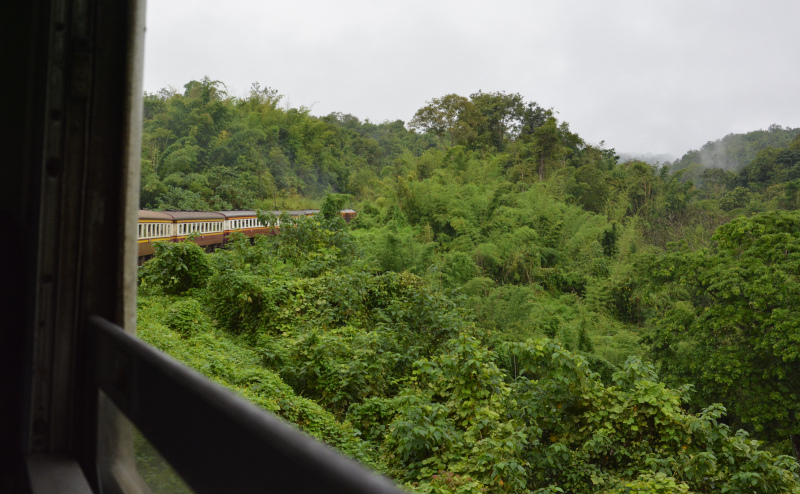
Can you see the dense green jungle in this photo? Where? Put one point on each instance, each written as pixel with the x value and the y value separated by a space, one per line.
pixel 512 310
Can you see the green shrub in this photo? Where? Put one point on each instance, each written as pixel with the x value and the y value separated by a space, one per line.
pixel 187 317
pixel 176 267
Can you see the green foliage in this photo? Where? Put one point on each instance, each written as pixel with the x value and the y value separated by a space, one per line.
pixel 237 367
pixel 548 424
pixel 176 267
pixel 479 327
pixel 187 317
pixel 731 329
pixel 252 153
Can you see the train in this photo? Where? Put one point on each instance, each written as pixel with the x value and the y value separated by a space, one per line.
pixel 210 229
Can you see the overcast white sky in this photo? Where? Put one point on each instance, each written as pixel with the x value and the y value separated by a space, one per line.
pixel 645 76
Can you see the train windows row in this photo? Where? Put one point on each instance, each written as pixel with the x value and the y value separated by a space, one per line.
pixel 200 227
pixel 246 223
pixel 155 230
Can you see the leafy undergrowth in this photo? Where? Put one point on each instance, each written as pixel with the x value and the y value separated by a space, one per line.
pixel 232 364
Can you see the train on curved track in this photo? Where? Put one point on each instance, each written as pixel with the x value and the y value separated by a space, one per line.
pixel 210 229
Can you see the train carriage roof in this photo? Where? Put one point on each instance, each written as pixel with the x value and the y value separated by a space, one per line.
pixel 196 216
pixel 239 213
pixel 146 214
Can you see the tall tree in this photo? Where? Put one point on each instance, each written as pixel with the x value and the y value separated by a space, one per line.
pixel 451 118
pixel 502 117
pixel 547 140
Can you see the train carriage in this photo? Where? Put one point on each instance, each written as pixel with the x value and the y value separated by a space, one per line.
pixel 348 214
pixel 244 221
pixel 208 227
pixel 154 226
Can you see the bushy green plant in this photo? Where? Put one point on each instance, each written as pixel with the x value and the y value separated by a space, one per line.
pixel 551 425
pixel 176 267
pixel 186 316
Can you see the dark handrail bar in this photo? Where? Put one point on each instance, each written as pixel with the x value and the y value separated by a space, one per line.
pixel 217 441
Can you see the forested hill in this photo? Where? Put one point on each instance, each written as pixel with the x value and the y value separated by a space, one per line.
pixel 734 151
pixel 512 310
pixel 204 149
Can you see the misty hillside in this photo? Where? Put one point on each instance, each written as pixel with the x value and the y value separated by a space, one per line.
pixel 734 151
pixel 649 158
